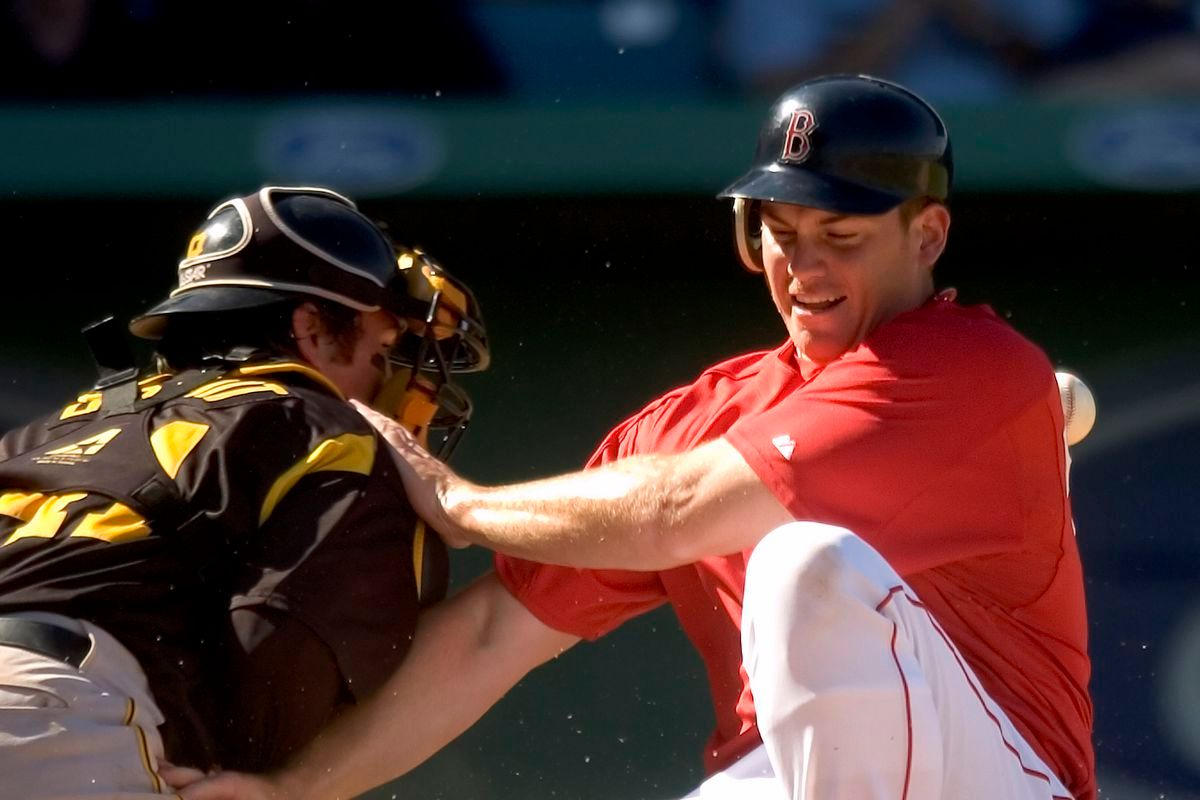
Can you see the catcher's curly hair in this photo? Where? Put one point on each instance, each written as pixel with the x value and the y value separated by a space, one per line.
pixel 197 340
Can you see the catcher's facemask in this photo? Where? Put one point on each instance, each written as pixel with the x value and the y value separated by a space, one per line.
pixel 444 336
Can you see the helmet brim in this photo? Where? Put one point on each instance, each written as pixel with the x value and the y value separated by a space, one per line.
pixel 153 323
pixel 812 189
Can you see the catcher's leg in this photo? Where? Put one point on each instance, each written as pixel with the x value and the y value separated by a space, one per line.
pixel 74 733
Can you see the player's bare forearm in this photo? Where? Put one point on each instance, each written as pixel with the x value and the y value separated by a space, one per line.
pixel 466 654
pixel 579 519
pixel 645 513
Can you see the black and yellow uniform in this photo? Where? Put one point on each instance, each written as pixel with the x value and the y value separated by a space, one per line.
pixel 254 493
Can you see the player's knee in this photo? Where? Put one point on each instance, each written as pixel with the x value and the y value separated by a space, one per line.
pixel 796 551
pixel 809 565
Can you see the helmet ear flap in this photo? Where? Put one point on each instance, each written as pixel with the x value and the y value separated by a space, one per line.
pixel 748 232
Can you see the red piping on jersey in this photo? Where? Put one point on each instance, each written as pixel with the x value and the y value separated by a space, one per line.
pixel 975 690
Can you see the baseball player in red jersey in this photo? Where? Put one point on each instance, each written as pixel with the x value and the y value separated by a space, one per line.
pixel 865 532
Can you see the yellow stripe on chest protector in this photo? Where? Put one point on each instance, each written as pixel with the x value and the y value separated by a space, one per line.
pixel 419 553
pixel 226 388
pixel 21 505
pixel 350 452
pixel 44 514
pixel 174 442
pixel 117 523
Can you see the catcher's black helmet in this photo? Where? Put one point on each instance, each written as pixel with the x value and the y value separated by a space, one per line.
pixel 846 143
pixel 279 242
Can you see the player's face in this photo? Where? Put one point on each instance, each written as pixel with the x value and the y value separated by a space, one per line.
pixel 358 364
pixel 836 277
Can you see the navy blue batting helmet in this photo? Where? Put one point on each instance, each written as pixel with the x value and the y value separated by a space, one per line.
pixel 846 143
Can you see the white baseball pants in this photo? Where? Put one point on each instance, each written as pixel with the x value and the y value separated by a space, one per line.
pixel 78 734
pixel 859 693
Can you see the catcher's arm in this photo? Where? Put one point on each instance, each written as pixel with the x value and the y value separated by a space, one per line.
pixel 466 654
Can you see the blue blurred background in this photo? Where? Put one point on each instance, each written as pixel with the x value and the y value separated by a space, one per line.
pixel 562 157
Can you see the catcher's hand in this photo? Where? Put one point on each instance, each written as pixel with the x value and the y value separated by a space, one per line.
pixel 192 784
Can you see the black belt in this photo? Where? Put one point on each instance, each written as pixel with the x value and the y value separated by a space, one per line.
pixel 45 638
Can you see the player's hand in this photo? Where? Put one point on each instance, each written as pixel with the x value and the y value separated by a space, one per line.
pixel 426 479
pixel 179 777
pixel 192 784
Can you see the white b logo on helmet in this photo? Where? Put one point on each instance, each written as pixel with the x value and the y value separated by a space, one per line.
pixel 796 142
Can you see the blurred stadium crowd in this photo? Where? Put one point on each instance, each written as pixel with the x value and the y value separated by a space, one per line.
pixel 961 51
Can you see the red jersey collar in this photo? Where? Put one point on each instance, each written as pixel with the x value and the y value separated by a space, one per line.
pixel 807 370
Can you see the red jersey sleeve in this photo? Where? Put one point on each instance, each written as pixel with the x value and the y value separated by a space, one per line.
pixel 586 603
pixel 913 439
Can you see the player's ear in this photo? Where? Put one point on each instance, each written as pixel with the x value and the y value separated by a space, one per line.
pixel 306 322
pixel 932 225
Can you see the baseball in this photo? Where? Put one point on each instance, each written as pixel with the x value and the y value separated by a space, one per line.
pixel 1079 406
